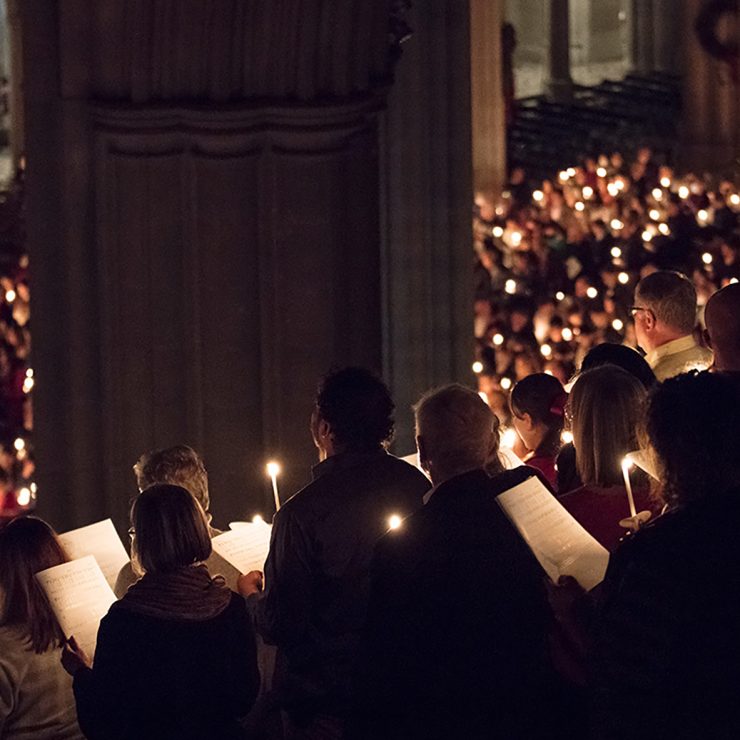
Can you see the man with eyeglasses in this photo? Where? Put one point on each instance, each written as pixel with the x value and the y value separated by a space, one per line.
pixel 665 318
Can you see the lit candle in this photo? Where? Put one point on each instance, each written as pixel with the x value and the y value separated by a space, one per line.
pixel 394 521
pixel 626 465
pixel 273 470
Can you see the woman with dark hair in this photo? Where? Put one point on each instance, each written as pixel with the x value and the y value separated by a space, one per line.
pixel 667 653
pixel 36 697
pixel 176 655
pixel 606 406
pixel 538 408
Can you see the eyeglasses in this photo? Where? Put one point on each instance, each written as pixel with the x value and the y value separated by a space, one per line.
pixel 635 309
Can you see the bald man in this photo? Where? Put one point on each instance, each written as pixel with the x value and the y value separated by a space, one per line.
pixel 722 317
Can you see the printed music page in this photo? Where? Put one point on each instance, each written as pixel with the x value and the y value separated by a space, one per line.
pixel 80 597
pixel 245 546
pixel 102 541
pixel 560 544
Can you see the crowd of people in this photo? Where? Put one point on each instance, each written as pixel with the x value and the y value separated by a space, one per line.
pixel 403 602
pixel 557 262
pixel 17 486
pixel 443 623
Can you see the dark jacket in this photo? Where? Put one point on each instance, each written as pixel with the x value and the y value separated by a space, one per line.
pixel 317 573
pixel 667 654
pixel 160 679
pixel 456 640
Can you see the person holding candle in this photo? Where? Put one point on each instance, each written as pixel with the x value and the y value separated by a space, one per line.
pixel 176 656
pixel 665 318
pixel 36 699
pixel 317 573
pixel 667 653
pixel 538 411
pixel 456 639
pixel 605 407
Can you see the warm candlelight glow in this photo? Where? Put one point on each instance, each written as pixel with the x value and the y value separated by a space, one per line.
pixel 616 224
pixel 707 258
pixel 654 214
pixel 683 192
pixel 508 438
pixel 566 437
pixel 601 171
pixel 516 238
pixel 703 215
pixel 665 182
pixel 24 497
pixel 588 191
pixel 626 467
pixel 618 324
pixel 592 292
pixel 663 229
pixel 546 350
pixel 257 519
pixel 657 193
pixel 646 236
pixel 510 287
pixel 394 521
pixel 616 252
pixel 580 206
pixel 560 295
pixel 735 199
pixel 498 340
pixel 567 334
pixel 538 195
pixel 19 444
pixel 10 296
pixel 506 383
pixel 623 278
pixel 497 231
pixel 273 469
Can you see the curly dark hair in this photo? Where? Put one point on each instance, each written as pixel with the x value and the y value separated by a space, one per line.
pixel 358 406
pixel 692 425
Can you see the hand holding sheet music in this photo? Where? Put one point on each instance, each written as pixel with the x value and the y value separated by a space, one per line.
pixel 560 544
pixel 80 597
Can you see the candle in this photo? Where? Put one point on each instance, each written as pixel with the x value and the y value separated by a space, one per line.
pixel 626 465
pixel 394 521
pixel 273 470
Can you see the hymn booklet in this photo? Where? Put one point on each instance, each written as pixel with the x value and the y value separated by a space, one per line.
pixel 245 546
pixel 80 597
pixel 560 544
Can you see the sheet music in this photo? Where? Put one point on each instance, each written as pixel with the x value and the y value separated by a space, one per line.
pixel 102 541
pixel 560 544
pixel 246 546
pixel 80 597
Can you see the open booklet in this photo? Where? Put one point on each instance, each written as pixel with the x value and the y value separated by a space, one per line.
pixel 100 540
pixel 560 544
pixel 80 597
pixel 245 546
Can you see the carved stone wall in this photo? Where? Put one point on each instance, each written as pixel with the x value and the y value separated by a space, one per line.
pixel 204 234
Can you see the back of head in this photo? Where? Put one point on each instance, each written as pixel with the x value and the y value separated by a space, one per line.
pixel 671 297
pixel 606 406
pixel 178 466
pixel 542 397
pixel 458 430
pixel 722 317
pixel 621 356
pixel 27 546
pixel 170 530
pixel 692 425
pixel 358 406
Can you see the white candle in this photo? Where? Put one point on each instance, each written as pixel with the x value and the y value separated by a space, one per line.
pixel 273 470
pixel 626 465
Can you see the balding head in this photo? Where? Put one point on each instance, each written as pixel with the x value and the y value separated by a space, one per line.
pixel 455 431
pixel 722 317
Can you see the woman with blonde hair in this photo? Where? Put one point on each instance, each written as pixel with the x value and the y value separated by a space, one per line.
pixel 36 697
pixel 176 656
pixel 606 408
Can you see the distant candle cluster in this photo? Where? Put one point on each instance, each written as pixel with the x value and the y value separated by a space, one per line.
pixel 556 262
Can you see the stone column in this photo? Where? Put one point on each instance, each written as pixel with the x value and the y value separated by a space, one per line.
pixel 427 197
pixel 711 100
pixel 204 233
pixel 487 99
pixel 643 36
pixel 560 83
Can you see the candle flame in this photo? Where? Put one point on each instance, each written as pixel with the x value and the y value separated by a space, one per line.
pixel 273 469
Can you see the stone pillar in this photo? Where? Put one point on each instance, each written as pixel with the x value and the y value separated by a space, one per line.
pixel 487 99
pixel 643 36
pixel 711 100
pixel 560 83
pixel 427 197
pixel 204 233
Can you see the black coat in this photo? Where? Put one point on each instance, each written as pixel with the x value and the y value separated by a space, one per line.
pixel 160 678
pixel 456 641
pixel 667 652
pixel 317 575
